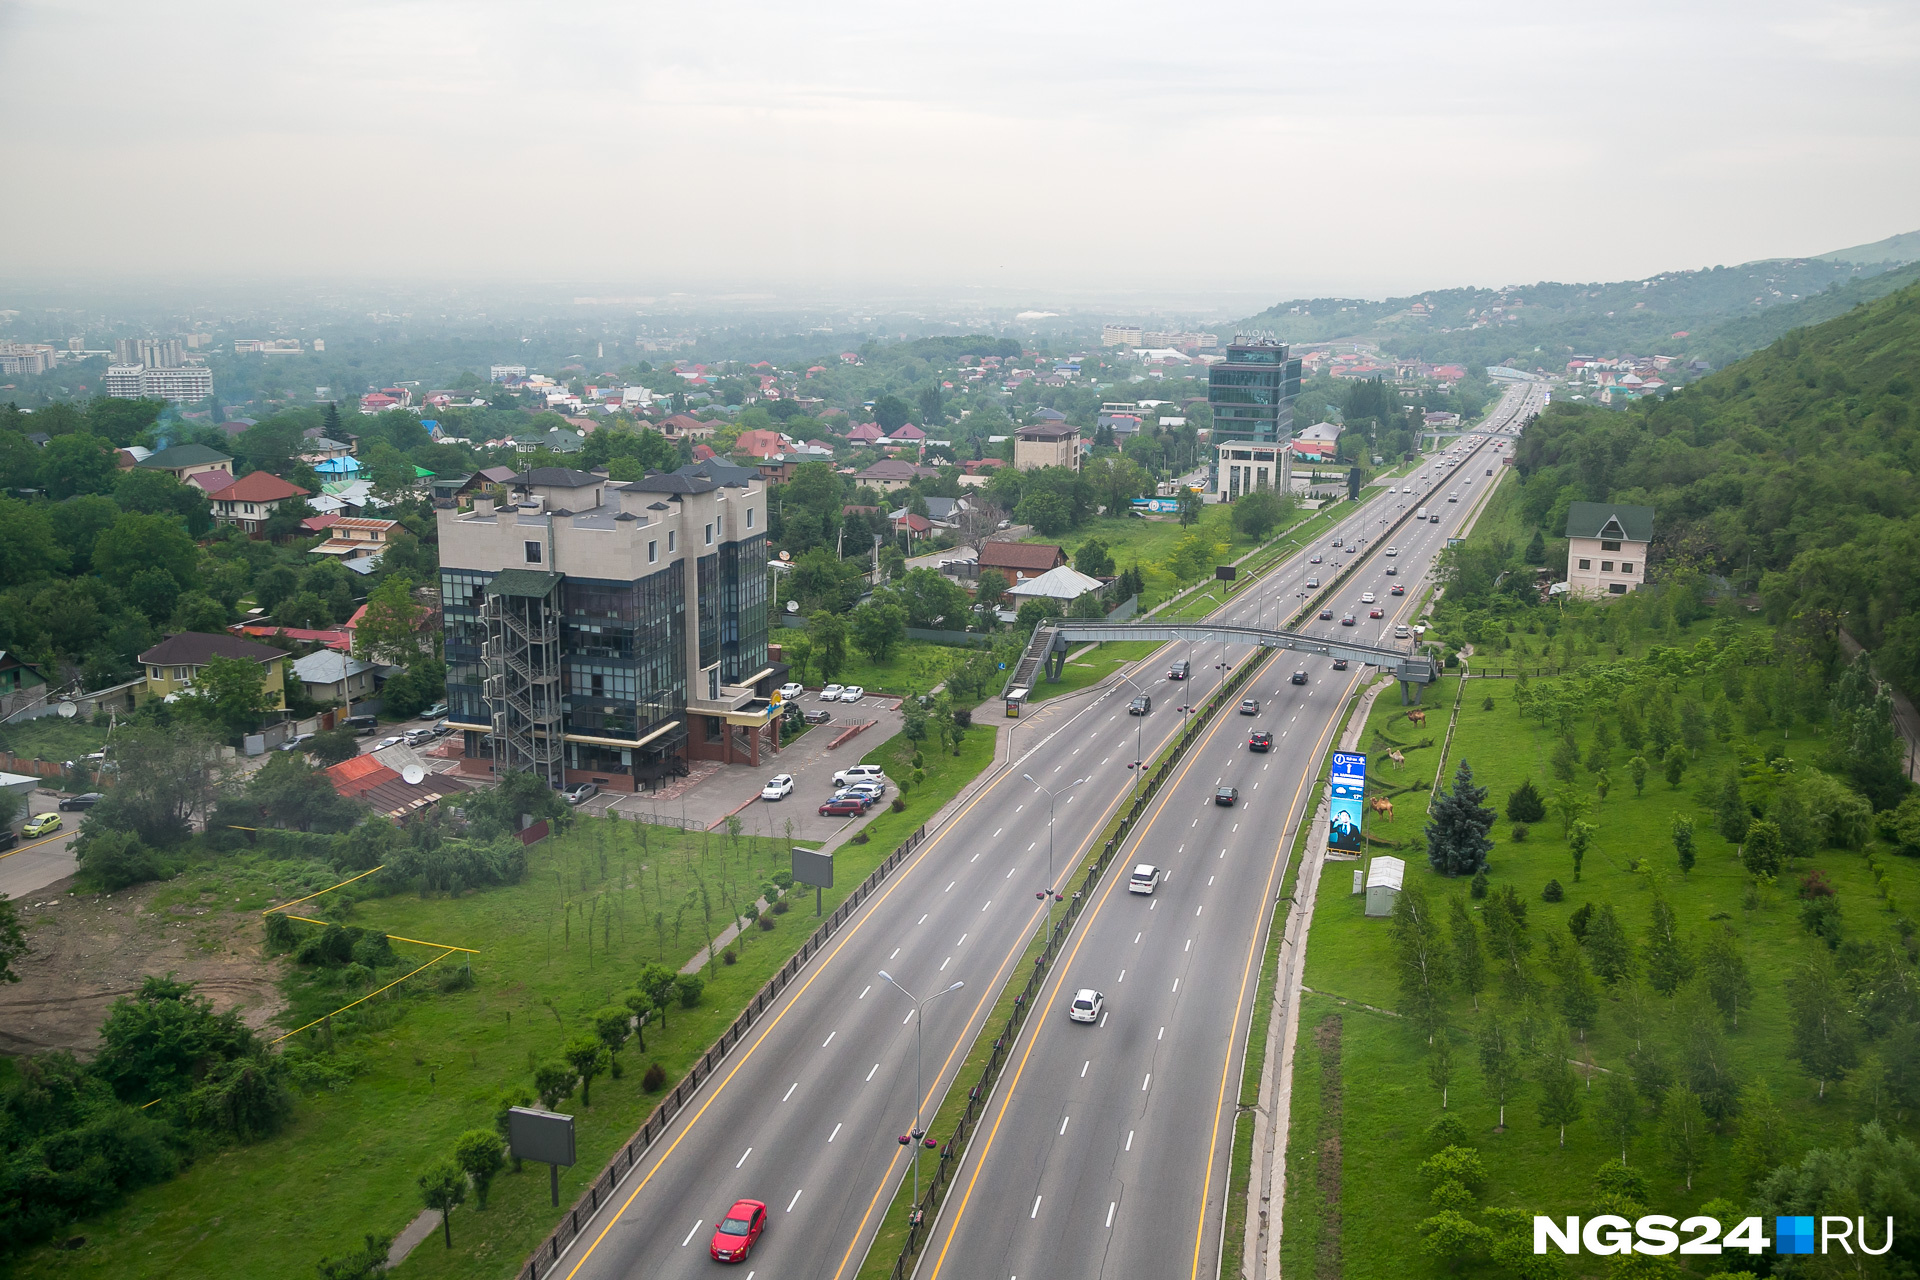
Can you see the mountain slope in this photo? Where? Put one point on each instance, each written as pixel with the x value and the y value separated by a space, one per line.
pixel 1893 251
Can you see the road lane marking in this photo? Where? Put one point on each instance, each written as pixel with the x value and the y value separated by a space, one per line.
pixel 790 1204
pixel 834 1134
pixel 743 1157
pixel 1129 1145
pixel 1176 984
pixel 1162 1035
pixel 790 1089
pixel 1111 1205
pixel 945 963
pixel 996 833
pixel 963 939
pixel 1083 1068
pixel 989 903
pixel 869 1079
pixel 829 1039
pixel 1136 939
pixel 1202 907
pixel 909 1018
pixel 1146 1082
pixel 1010 871
pixel 683 1243
pixel 861 996
pixel 1189 945
pixel 1036 1208
pixel 1209 882
pixel 923 919
pixel 950 884
pixel 1063 1126
pixel 1121 978
pixel 895 955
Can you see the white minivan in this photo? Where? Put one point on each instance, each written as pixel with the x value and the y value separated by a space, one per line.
pixel 1146 878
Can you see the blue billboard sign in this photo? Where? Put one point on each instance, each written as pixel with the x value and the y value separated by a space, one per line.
pixel 1347 792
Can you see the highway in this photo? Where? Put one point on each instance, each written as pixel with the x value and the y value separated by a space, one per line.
pixel 806 1114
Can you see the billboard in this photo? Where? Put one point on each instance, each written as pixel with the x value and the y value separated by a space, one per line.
pixel 1347 790
pixel 812 868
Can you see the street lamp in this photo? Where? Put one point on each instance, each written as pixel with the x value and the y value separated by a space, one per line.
pixel 1049 894
pixel 1139 734
pixel 918 1093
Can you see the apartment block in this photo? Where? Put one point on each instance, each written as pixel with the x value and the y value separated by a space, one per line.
pixel 26 357
pixel 154 353
pixel 183 385
pixel 600 631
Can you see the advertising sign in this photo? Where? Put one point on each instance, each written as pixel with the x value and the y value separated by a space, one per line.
pixel 1347 789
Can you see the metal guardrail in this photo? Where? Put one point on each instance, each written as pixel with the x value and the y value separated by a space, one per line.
pixel 550 1250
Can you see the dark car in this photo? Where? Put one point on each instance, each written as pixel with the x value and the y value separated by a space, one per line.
pixel 1397 590
pixel 1326 615
pixel 1393 571
pixel 816 717
pixel 79 803
pixel 1260 742
pixel 849 807
pixel 1226 795
pixel 1349 621
pixel 734 1238
pixel 6 838
pixel 1140 706
pixel 363 725
pixel 1179 670
pixel 1376 612
pixel 1299 677
pixel 1339 664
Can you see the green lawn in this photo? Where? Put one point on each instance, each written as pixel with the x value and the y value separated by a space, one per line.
pixel 1349 959
pixel 51 738
pixel 914 667
pixel 597 902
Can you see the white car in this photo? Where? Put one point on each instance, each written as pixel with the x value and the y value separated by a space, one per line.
pixel 852 693
pixel 832 693
pixel 581 792
pixel 389 742
pixel 1366 597
pixel 1394 551
pixel 1145 879
pixel 858 773
pixel 1087 1005
pixel 779 787
pixel 790 691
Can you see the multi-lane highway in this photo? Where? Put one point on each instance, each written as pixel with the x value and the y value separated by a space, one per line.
pixel 806 1115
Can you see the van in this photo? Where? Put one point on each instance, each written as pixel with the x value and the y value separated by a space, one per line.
pixel 363 725
pixel 1421 514
pixel 1145 879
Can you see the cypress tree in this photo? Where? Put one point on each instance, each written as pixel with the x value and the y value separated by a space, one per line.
pixel 1525 804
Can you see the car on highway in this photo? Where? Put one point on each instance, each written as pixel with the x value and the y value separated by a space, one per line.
pixel 1393 551
pixel 859 773
pixel 1315 560
pixel 734 1238
pixel 1376 612
pixel 581 792
pixel 45 824
pixel 82 802
pixel 296 742
pixel 778 787
pixel 1398 590
pixel 1349 621
pixel 1249 707
pixel 1434 518
pixel 1141 705
pixel 1393 571
pixel 1145 879
pixel 1260 742
pixel 851 807
pixel 1226 796
pixel 791 690
pixel 1401 633
pixel 1087 1005
pixel 1339 664
pixel 1326 615
pixel 1312 583
pixel 1366 597
pixel 832 693
pixel 1180 670
pixel 1299 677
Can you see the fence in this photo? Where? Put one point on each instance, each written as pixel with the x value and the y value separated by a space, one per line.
pixel 954 1150
pixel 547 1254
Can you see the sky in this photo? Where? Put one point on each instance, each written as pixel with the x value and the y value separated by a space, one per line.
pixel 1054 152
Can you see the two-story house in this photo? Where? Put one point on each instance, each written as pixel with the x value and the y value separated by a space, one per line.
pixel 1607 548
pixel 174 663
pixel 248 501
pixel 355 537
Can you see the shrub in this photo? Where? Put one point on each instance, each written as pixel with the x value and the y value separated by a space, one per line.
pixel 1487 705
pixel 1553 892
pixel 1815 885
pixel 766 923
pixel 1519 833
pixel 655 1078
pixel 899 804
pixel 729 957
pixel 1447 1131
pixel 1577 922
pixel 690 986
pixel 783 880
pixel 1526 804
pixel 111 859
pixel 1477 887
pixel 781 907
pixel 1448 1194
pixel 1456 1163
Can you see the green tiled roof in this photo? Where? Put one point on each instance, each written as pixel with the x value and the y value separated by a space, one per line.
pixel 532 583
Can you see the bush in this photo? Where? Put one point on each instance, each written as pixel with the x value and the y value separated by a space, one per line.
pixel 729 957
pixel 1477 887
pixel 1447 1131
pixel 1553 892
pixel 1456 1163
pixel 1448 1194
pixel 899 804
pixel 783 880
pixel 781 906
pixel 766 923
pixel 1577 922
pixel 1526 803
pixel 1519 833
pixel 1487 704
pixel 655 1078
pixel 111 859
pixel 690 985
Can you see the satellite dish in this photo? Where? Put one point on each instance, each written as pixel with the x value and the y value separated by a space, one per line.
pixel 786 555
pixel 413 775
pixel 793 606
pixel 67 711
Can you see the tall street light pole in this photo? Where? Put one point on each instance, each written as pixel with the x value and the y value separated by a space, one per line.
pixel 1139 728
pixel 919 1093
pixel 1049 893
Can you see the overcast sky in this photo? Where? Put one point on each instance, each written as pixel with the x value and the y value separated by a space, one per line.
pixel 1067 150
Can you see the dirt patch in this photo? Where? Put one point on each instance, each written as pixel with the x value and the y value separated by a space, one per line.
pixel 1326 1037
pixel 91 949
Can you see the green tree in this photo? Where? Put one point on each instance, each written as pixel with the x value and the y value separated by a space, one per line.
pixel 662 986
pixel 1469 959
pixel 828 631
pixel 878 629
pixel 1536 552
pixel 554 1082
pixel 1559 1089
pixel 368 1262
pixel 1190 506
pixel 990 588
pixel 480 1155
pixel 513 1096
pixel 1725 971
pixel 1826 1037
pixel 75 464
pixel 1764 1137
pixel 1637 770
pixel 1675 764
pixel 1731 815
pixel 1578 841
pixel 1566 759
pixel 1259 513
pixel 1619 1112
pixel 387 632
pixel 1507 939
pixel 1459 826
pixel 231 694
pixel 1569 805
pixel 1050 514
pixel 1094 559
pixel 1669 962
pixel 1607 946
pixel 640 1005
pixel 613 1024
pixel 1579 999
pixel 1761 852
pixel 1683 841
pixel 1440 1064
pixel 443 1188
pixel 1683 1132
pixel 137 542
pixel 1525 804
pixel 1499 1060
pixel 331 746
pixel 1420 958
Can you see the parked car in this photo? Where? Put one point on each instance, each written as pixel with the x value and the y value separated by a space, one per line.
pixel 779 787
pixel 1140 706
pixel 832 693
pixel 1299 677
pixel 82 802
pixel 859 773
pixel 581 792
pixel 816 717
pixel 1260 742
pixel 434 712
pixel 384 743
pixel 1145 879
pixel 7 839
pixel 848 808
pixel 1228 796
pixel 363 725
pixel 1087 1005
pixel 420 737
pixel 867 792
pixel 44 824
pixel 791 690
pixel 297 741
pixel 733 1239
pixel 1249 707
pixel 1401 633
pixel 852 693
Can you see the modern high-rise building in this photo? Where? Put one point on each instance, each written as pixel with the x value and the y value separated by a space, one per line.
pixel 26 357
pixel 1251 394
pixel 186 384
pixel 154 353
pixel 596 631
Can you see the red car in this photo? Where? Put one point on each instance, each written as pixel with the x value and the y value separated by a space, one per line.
pixel 1376 612
pixel 847 808
pixel 733 1239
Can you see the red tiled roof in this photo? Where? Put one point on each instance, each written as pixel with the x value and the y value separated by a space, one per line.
pixel 1027 557
pixel 350 777
pixel 212 481
pixel 317 523
pixel 260 486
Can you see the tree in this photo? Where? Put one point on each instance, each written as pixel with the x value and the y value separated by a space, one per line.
pixel 480 1155
pixel 828 631
pixel 554 1082
pixel 1705 1065
pixel 1683 1132
pixel 1731 815
pixel 878 629
pixel 613 1025
pixel 1458 827
pixel 662 986
pixel 1579 999
pixel 444 1188
pixel 1669 962
pixel 1569 806
pixel 1683 841
pixel 1499 1060
pixel 640 1006
pixel 13 941
pixel 1578 841
pixel 1559 1089
pixel 30 549
pixel 1506 919
pixel 1637 770
pixel 1190 506
pixel 1469 960
pixel 989 588
pixel 289 793
pixel 1826 1038
pixel 1619 1112
pixel 1048 513
pixel 1761 851
pixel 1536 552
pixel 1420 957
pixel 1764 1138
pixel 1257 514
pixel 1674 762
pixel 929 599
pixel 387 632
pixel 1725 970
pixel 331 746
pixel 1093 559
pixel 136 542
pixel 891 412
pixel 165 775
pixel 1525 805
pixel 1607 946
pixel 1566 759
pixel 1440 1064
pixel 513 1096
pixel 78 463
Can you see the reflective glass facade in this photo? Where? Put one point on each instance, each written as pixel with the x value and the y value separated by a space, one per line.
pixel 625 668
pixel 743 609
pixel 465 632
pixel 1251 393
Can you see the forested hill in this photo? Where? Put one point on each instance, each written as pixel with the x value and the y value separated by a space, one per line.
pixel 1795 471
pixel 1716 314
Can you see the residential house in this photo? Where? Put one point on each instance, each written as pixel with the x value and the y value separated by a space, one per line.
pixel 893 471
pixel 131 456
pixel 761 444
pixel 1607 548
pixel 907 434
pixel 336 638
pixel 685 424
pixel 1046 444
pixel 383 789
pixel 328 676
pixel 318 449
pixel 355 537
pixel 1019 561
pixel 1063 583
pixel 942 513
pixel 184 461
pixel 250 500
pixel 21 684
pixel 174 663
pixel 865 433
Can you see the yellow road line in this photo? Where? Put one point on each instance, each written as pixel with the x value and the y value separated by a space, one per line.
pixel 37 843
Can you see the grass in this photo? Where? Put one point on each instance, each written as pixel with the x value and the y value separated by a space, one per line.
pixel 1349 959
pixel 52 738
pixel 915 666
pixel 555 947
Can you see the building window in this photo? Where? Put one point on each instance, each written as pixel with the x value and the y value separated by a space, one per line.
pixel 709 534
pixel 715 731
pixel 749 517
pixel 673 540
pixel 1586 564
pixel 1626 566
pixel 1617 588
pixel 1607 544
pixel 653 552
pixel 1606 566
pixel 533 553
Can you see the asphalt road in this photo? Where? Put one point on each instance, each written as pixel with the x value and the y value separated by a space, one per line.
pixel 1105 1151
pixel 806 1116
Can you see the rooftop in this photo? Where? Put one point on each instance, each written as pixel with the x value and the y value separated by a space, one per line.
pixel 194 648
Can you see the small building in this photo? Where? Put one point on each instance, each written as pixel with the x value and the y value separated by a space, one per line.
pixel 184 461
pixel 250 500
pixel 21 684
pixel 1386 875
pixel 385 790
pixel 355 537
pixel 1607 548
pixel 1021 560
pixel 174 663
pixel 1063 583
pixel 1046 444
pixel 328 676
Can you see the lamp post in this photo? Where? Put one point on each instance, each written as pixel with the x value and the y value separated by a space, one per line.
pixel 919 1006
pixel 1049 893
pixel 1139 728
